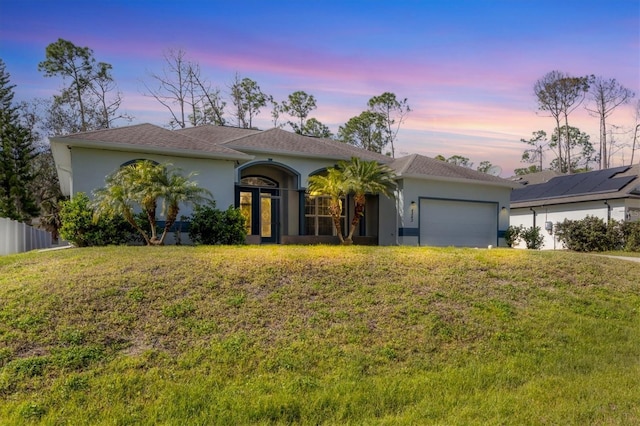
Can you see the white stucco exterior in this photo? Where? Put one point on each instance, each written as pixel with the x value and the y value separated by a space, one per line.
pixel 547 216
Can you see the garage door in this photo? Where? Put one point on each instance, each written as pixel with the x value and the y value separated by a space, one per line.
pixel 458 223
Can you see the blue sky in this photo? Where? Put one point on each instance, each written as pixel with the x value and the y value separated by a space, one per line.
pixel 466 67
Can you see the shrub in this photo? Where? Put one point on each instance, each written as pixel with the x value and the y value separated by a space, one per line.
pixel 212 226
pixel 590 234
pixel 512 235
pixel 79 227
pixel 630 236
pixel 533 238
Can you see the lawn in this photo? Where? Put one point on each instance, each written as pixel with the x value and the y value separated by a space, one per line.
pixel 318 335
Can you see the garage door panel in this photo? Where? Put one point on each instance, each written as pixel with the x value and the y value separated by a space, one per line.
pixel 458 223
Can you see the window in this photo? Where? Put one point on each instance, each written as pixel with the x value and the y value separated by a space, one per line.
pixel 318 219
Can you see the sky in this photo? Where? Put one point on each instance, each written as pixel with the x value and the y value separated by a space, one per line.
pixel 466 67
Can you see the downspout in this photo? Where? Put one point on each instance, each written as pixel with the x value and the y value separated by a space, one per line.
pixel 534 216
pixel 608 211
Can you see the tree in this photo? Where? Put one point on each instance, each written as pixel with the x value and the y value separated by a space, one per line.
pixel 332 185
pixel 526 170
pixel 606 96
pixel 635 131
pixel 536 154
pixel 299 105
pixel 484 166
pixel 17 152
pixel 394 113
pixel 315 128
pixel 459 160
pixel 85 102
pixel 142 184
pixel 560 94
pixel 362 178
pixel 175 88
pixel 364 131
pixel 578 140
pixel 248 99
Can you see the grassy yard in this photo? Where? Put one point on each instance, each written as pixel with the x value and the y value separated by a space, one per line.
pixel 318 335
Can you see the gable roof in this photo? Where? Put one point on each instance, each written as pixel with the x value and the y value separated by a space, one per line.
pixel 618 182
pixel 421 167
pixel 151 139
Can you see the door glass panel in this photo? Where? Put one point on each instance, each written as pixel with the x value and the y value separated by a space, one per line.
pixel 245 209
pixel 265 215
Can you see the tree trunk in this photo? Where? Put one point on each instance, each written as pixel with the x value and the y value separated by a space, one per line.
pixel 357 214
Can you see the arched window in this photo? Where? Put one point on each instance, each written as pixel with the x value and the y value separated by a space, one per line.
pixel 260 181
pixel 137 160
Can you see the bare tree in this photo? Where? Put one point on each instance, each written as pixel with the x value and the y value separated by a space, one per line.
pixel 606 95
pixel 560 94
pixel 635 131
pixel 174 87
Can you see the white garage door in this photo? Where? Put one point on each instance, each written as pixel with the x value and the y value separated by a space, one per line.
pixel 458 223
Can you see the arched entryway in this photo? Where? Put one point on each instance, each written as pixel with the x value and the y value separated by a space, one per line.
pixel 268 194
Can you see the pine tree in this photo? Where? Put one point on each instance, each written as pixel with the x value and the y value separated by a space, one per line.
pixel 17 151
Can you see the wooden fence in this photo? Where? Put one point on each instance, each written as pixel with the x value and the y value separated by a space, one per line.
pixel 16 237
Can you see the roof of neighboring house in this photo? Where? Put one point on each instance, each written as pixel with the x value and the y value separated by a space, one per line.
pixel 535 178
pixel 419 166
pixel 618 182
pixel 149 138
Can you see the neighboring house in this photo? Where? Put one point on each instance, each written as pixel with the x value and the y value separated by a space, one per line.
pixel 265 173
pixel 607 194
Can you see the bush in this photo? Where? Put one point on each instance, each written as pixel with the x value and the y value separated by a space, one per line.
pixel 212 226
pixel 533 238
pixel 79 228
pixel 591 234
pixel 512 235
pixel 630 236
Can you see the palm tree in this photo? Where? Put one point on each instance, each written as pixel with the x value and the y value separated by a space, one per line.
pixel 362 178
pixel 176 189
pixel 332 186
pixel 114 199
pixel 143 183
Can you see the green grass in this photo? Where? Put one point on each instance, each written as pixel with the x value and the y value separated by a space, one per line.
pixel 318 335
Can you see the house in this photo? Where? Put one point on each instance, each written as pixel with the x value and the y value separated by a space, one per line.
pixel 265 174
pixel 608 194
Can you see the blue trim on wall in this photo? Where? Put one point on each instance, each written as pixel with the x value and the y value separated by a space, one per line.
pixel 501 233
pixel 408 232
pixel 182 224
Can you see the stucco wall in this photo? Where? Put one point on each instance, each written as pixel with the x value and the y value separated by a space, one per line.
pixel 558 213
pixel 91 167
pixel 414 189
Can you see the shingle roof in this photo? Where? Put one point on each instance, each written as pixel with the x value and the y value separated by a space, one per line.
pixel 281 141
pixel 618 182
pixel 152 138
pixel 535 178
pixel 217 134
pixel 419 166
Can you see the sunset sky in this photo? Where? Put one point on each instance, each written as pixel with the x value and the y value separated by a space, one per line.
pixel 466 67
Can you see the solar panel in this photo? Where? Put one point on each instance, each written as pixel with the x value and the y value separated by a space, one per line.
pixel 574 185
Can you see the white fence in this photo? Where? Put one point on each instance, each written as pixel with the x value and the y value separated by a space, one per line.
pixel 16 237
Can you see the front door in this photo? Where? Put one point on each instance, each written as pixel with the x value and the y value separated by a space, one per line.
pixel 260 207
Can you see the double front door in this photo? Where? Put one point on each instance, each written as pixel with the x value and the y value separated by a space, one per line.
pixel 260 207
